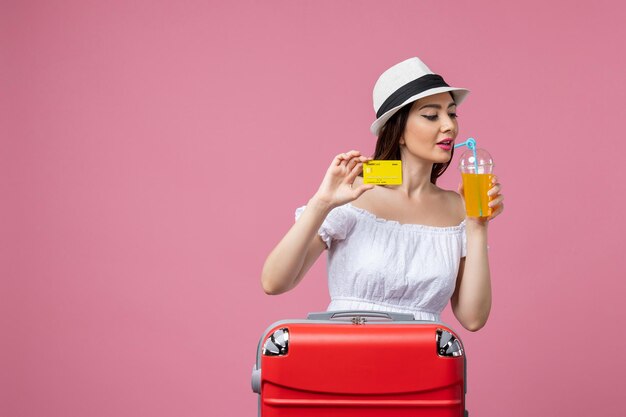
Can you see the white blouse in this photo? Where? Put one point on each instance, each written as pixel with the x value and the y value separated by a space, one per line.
pixel 379 264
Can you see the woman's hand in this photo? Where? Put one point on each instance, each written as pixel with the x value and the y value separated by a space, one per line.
pixel 336 188
pixel 495 198
pixel 495 201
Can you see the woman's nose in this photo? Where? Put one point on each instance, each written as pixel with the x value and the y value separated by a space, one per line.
pixel 447 124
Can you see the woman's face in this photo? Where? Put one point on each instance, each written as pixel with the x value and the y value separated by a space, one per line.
pixel 431 128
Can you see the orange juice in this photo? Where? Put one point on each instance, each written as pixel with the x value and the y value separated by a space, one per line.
pixel 475 192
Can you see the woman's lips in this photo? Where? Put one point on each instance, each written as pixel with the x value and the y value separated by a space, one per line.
pixel 446 144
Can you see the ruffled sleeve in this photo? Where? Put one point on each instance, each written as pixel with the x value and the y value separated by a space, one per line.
pixel 463 243
pixel 336 226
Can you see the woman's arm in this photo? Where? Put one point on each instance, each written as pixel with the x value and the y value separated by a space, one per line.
pixel 299 249
pixel 471 301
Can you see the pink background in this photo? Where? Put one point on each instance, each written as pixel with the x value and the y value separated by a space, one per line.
pixel 154 152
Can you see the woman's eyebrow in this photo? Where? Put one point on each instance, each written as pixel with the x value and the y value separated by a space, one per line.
pixel 436 106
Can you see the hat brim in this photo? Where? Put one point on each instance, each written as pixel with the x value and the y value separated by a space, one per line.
pixel 459 96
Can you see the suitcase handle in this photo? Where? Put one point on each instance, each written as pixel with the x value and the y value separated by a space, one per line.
pixel 350 314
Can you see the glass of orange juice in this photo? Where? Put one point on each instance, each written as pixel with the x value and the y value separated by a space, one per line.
pixel 476 166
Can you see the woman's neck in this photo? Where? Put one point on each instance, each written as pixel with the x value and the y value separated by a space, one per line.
pixel 415 177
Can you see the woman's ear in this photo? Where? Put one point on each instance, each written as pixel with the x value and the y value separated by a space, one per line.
pixel 401 141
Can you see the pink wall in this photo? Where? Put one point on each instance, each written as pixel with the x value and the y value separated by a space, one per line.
pixel 153 153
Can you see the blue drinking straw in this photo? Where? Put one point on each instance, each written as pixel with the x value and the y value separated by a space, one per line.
pixel 471 143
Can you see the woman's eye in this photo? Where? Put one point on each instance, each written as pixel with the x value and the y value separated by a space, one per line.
pixel 433 118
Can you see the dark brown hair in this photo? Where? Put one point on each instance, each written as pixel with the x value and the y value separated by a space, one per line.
pixel 388 144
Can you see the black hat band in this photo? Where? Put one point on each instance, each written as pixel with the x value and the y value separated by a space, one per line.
pixel 417 86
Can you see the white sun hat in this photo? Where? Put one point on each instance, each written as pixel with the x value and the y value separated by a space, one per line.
pixel 405 83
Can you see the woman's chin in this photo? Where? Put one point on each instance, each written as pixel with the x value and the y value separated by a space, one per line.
pixel 436 157
pixel 441 159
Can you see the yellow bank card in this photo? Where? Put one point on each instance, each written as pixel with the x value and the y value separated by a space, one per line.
pixel 382 172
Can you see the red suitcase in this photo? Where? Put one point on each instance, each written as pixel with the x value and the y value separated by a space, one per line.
pixel 360 363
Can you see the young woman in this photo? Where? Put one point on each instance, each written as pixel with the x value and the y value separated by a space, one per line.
pixel 403 248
